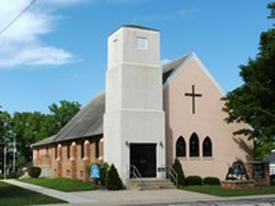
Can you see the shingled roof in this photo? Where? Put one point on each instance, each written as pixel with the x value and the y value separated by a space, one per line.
pixel 88 122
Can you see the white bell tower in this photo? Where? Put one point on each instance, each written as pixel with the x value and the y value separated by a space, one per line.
pixel 134 117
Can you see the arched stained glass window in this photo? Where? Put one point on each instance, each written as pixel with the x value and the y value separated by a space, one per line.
pixel 194 145
pixel 180 147
pixel 207 147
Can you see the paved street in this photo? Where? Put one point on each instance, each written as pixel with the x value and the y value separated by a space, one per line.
pixel 268 201
pixel 243 202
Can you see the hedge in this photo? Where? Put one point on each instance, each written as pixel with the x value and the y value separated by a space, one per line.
pixel 193 180
pixel 12 175
pixel 211 181
pixel 34 172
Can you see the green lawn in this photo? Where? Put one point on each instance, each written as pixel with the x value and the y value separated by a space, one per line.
pixel 12 195
pixel 61 184
pixel 218 191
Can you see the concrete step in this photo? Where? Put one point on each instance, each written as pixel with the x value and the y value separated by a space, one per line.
pixel 150 184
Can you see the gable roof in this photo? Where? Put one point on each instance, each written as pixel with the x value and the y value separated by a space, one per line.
pixel 44 141
pixel 171 66
pixel 180 66
pixel 88 122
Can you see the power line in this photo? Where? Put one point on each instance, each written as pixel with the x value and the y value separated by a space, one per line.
pixel 15 18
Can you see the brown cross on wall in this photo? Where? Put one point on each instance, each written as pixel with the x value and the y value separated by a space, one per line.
pixel 193 95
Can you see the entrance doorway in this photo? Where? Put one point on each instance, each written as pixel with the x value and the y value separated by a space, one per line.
pixel 143 157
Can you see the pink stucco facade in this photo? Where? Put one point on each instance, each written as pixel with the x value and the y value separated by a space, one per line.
pixel 208 120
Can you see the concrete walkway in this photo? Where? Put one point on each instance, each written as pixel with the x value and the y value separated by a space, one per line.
pixel 68 197
pixel 171 197
pixel 134 197
pixel 164 197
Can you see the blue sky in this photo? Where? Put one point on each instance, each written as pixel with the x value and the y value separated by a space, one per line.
pixel 57 50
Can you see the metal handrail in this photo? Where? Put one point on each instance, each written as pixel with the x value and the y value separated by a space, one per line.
pixel 173 174
pixel 136 174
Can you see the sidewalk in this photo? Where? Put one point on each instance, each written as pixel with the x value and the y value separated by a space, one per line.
pixel 167 197
pixel 68 197
pixel 149 197
pixel 135 197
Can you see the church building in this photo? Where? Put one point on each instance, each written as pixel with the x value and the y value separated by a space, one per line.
pixel 148 115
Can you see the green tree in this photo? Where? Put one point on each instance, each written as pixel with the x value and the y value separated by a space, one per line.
pixel 180 175
pixel 6 135
pixel 62 113
pixel 27 128
pixel 254 101
pixel 30 127
pixel 113 181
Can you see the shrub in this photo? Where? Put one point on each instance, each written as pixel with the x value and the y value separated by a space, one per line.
pixel 178 169
pixel 211 181
pixel 34 171
pixel 272 179
pixel 12 175
pixel 113 181
pixel 193 180
pixel 103 172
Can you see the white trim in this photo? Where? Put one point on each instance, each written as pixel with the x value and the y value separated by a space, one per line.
pixel 135 64
pixel 202 66
pixel 140 110
pixel 177 71
pixel 206 71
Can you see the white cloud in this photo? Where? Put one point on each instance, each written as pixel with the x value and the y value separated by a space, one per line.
pixel 21 43
pixel 165 61
pixel 38 55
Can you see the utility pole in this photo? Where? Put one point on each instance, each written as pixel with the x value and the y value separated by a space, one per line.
pixel 5 156
pixel 14 155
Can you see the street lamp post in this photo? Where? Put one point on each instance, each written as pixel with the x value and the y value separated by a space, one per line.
pixel 5 157
pixel 14 155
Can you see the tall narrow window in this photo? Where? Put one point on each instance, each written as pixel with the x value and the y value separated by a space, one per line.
pixel 97 149
pixel 207 147
pixel 180 147
pixel 194 145
pixel 55 152
pixel 68 152
pixel 82 149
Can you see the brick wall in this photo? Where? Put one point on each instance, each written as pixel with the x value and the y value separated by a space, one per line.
pixel 70 164
pixel 237 185
pixel 265 181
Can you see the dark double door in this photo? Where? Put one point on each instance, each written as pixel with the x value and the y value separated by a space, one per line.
pixel 143 157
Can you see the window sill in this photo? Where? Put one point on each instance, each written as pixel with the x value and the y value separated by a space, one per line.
pixel 208 158
pixel 182 158
pixel 195 158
